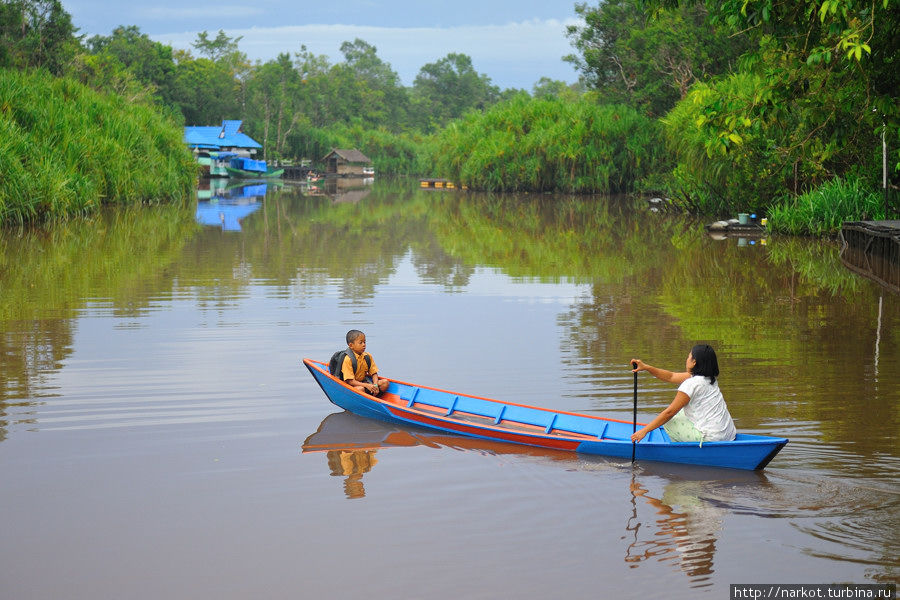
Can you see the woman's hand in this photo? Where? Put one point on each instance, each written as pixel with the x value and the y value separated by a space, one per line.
pixel 639 435
pixel 640 365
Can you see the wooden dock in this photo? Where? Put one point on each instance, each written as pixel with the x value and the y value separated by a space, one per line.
pixel 872 249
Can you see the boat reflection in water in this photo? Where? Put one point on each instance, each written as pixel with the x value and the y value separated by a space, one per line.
pixel 681 526
pixel 228 205
pixel 350 443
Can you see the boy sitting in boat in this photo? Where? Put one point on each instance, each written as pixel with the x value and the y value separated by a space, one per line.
pixel 365 377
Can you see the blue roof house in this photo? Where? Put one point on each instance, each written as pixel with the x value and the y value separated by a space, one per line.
pixel 214 146
pixel 228 136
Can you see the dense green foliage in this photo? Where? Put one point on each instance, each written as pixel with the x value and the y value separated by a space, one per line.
pixel 646 60
pixel 36 33
pixel 528 144
pixel 766 100
pixel 65 149
pixel 823 210
pixel 758 101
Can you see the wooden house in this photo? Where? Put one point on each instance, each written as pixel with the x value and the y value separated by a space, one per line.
pixel 347 163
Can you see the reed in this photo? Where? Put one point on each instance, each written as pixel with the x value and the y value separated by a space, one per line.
pixel 548 144
pixel 66 149
pixel 823 210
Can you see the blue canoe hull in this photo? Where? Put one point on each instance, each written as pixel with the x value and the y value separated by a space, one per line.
pixel 440 410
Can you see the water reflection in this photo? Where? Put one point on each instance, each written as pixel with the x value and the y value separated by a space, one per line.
pixel 228 204
pixel 572 287
pixel 350 443
pixel 686 536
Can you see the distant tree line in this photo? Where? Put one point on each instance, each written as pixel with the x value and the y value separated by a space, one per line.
pixel 298 105
pixel 756 102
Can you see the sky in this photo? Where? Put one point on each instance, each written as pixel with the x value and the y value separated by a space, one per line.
pixel 514 42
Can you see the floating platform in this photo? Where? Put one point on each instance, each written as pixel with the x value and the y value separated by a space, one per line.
pixel 439 184
pixel 872 249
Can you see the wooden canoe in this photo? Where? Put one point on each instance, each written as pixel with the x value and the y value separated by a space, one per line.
pixel 441 410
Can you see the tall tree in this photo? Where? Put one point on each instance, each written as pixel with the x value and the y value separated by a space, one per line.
pixel 204 91
pixel 450 87
pixel 275 93
pixel 150 62
pixel 384 101
pixel 649 60
pixel 36 33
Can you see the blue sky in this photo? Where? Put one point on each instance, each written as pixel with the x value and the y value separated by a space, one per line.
pixel 514 42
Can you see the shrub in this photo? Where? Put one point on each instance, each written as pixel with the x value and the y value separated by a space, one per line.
pixel 548 144
pixel 823 210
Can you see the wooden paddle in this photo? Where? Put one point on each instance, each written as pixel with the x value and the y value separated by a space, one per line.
pixel 634 421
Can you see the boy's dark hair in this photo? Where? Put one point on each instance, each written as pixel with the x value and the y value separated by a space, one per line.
pixel 352 335
pixel 707 363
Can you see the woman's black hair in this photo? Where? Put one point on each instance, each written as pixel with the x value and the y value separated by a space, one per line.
pixel 706 363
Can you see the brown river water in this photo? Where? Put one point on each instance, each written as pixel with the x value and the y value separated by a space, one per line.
pixel 159 437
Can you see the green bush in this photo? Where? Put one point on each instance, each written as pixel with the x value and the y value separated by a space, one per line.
pixel 548 144
pixel 65 149
pixel 823 210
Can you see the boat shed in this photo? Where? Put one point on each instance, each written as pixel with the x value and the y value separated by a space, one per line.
pixel 226 137
pixel 346 163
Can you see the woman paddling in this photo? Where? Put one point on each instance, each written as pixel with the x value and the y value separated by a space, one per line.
pixel 698 413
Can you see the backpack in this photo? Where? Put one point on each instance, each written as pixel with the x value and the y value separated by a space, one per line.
pixel 337 361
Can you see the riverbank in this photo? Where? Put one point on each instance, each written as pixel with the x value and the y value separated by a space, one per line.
pixel 68 149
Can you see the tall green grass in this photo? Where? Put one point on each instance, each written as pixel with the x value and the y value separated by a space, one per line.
pixel 548 144
pixel 823 210
pixel 65 149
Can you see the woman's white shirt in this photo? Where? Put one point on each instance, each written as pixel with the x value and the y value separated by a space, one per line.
pixel 707 409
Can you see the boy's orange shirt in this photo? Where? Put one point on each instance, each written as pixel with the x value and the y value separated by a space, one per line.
pixel 362 368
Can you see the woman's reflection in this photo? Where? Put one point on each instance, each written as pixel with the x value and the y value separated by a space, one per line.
pixel 686 535
pixel 688 516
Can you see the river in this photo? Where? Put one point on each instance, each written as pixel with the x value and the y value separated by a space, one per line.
pixel 159 437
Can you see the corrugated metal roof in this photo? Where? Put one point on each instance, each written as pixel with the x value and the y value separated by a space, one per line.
pixel 228 135
pixel 353 155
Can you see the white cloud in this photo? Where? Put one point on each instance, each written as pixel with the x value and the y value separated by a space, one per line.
pixel 512 55
pixel 172 13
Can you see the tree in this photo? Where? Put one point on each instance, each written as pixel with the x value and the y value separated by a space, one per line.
pixel 450 87
pixel 649 60
pixel 204 91
pixel 383 100
pixel 811 98
pixel 36 33
pixel 225 53
pixel 220 49
pixel 151 63
pixel 275 93
pixel 551 88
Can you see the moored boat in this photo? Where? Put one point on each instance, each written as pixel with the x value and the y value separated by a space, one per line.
pixel 441 410
pixel 242 174
pixel 248 168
